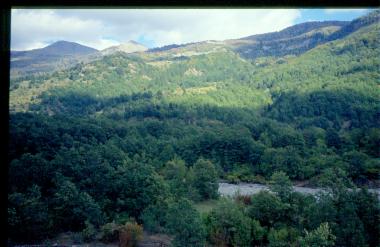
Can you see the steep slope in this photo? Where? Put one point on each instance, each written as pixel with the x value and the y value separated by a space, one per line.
pixel 290 41
pixel 60 54
pixel 299 38
pixel 372 17
pixel 208 73
pixel 295 30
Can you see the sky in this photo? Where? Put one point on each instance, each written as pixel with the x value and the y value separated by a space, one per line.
pixel 102 28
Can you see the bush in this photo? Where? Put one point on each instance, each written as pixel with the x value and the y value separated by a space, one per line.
pixel 282 237
pixel 227 225
pixel 233 178
pixel 130 234
pixel 184 222
pixel 320 237
pixel 245 199
pixel 89 232
pixel 154 217
pixel 121 218
pixel 205 179
pixel 110 232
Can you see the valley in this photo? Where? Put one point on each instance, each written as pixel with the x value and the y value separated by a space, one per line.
pixel 115 144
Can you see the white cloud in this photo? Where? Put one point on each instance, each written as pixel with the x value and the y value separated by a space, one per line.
pixel 36 28
pixel 39 28
pixel 334 11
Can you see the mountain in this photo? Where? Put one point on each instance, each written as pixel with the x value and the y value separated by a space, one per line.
pixel 128 47
pixel 295 30
pixel 61 54
pixel 212 70
pixel 59 48
pixel 372 17
pixel 290 41
pixel 293 40
pixel 299 38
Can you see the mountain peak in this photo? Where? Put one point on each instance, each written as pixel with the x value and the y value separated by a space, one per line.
pixel 127 47
pixel 67 47
pixel 62 42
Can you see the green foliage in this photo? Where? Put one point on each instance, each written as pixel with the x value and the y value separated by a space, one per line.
pixel 73 208
pixel 281 185
pixel 28 215
pixel 320 237
pixel 267 208
pixel 184 222
pixel 243 173
pixel 285 159
pixel 257 233
pixel 335 179
pixel 89 232
pixel 282 237
pixel 205 179
pixel 132 135
pixel 347 214
pixel 227 225
pixel 154 216
pixel 180 179
pixel 147 187
pixel 110 232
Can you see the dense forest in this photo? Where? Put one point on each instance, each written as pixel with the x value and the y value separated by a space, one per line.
pixel 136 142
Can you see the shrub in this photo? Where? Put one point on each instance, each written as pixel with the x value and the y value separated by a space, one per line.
pixel 184 222
pixel 130 234
pixel 89 232
pixel 320 237
pixel 245 199
pixel 110 232
pixel 227 225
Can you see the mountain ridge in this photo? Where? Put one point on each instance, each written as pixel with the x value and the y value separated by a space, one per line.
pixel 67 46
pixel 293 40
pixel 187 68
pixel 296 29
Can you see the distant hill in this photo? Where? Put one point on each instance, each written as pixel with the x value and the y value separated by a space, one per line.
pixel 295 30
pixel 293 40
pixel 59 48
pixel 128 47
pixel 61 54
pixel 220 72
pixel 299 38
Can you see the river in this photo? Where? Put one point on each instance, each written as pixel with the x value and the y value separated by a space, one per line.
pixel 227 189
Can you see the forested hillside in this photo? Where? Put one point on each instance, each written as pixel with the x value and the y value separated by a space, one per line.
pixel 140 138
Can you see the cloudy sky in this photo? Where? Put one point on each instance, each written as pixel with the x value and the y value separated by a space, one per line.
pixel 101 28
